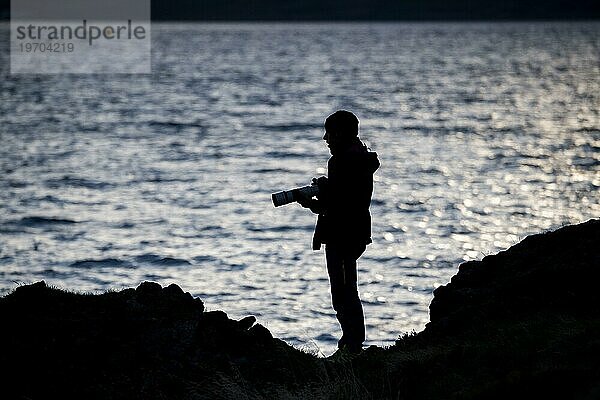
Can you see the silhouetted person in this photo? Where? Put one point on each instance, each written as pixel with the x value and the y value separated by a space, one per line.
pixel 344 222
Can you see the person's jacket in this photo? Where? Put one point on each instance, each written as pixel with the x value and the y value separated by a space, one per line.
pixel 345 197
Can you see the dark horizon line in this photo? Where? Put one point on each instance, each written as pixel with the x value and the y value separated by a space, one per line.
pixel 377 20
pixel 364 10
pixel 318 20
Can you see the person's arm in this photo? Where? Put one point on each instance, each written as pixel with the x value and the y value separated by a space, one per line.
pixel 313 204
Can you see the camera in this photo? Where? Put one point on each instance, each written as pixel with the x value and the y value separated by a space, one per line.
pixel 289 196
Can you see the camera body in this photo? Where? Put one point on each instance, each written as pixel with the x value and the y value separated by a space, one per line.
pixel 289 196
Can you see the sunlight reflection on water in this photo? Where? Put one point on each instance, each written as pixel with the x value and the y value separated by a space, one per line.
pixel 486 133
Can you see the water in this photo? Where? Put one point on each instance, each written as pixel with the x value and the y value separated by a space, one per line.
pixel 486 133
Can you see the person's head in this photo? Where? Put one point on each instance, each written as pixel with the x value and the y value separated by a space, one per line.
pixel 341 128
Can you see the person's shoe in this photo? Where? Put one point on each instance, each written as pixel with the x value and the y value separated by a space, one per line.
pixel 345 354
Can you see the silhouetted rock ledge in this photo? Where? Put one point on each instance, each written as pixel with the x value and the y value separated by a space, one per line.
pixel 524 323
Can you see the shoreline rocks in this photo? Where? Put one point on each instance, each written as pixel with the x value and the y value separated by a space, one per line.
pixel 522 323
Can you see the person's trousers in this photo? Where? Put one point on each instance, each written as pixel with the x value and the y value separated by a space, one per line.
pixel 341 267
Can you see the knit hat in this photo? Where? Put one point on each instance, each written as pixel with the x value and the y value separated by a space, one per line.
pixel 343 123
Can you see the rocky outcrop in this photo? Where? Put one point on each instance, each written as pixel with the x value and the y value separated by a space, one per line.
pixel 524 323
pixel 548 272
pixel 147 343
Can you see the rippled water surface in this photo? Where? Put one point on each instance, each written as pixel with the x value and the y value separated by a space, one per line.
pixel 486 133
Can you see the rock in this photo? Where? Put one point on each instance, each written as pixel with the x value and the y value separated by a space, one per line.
pixel 31 290
pixel 247 322
pixel 215 318
pixel 547 271
pixel 260 333
pixel 149 289
pixel 523 323
pixel 173 290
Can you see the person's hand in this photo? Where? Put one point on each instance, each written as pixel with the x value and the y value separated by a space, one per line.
pixel 320 181
pixel 304 202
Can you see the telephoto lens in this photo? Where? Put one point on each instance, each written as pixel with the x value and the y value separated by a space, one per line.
pixel 289 196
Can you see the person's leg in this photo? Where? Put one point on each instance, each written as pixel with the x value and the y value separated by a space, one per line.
pixel 354 316
pixel 335 270
pixel 341 267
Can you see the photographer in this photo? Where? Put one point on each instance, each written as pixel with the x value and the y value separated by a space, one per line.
pixel 344 222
